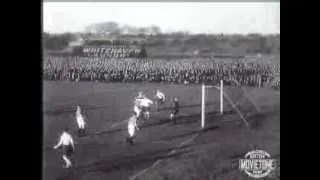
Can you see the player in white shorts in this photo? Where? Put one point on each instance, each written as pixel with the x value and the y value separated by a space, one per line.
pixel 160 98
pixel 66 141
pixel 132 127
pixel 80 122
pixel 144 105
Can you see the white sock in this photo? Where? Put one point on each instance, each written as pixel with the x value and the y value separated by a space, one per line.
pixel 171 116
pixel 67 161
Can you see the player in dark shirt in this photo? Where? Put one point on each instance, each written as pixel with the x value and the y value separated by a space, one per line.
pixel 175 110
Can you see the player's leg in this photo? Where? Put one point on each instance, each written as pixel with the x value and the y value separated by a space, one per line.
pixel 82 129
pixel 129 140
pixel 142 114
pixel 157 104
pixel 137 111
pixel 79 130
pixel 139 115
pixel 67 161
pixel 131 131
pixel 171 116
pixel 175 114
pixel 149 112
pixel 83 126
pixel 67 152
pixel 162 101
pixel 79 125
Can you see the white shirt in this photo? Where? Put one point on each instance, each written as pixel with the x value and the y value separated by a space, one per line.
pixel 65 139
pixel 143 102
pixel 80 119
pixel 160 95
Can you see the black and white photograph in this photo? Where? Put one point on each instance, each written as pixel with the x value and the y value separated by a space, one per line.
pixel 161 90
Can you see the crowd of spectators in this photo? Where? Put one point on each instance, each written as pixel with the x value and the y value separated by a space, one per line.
pixel 191 70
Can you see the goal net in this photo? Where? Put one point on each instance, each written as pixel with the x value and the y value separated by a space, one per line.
pixel 222 100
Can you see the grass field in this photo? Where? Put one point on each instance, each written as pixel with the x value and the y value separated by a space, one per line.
pixel 162 150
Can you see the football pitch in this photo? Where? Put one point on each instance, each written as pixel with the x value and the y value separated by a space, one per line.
pixel 162 150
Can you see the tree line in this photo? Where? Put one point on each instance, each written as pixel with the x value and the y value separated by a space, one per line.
pixel 177 42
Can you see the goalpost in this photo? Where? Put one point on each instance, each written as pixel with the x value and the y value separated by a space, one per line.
pixel 222 95
pixel 203 101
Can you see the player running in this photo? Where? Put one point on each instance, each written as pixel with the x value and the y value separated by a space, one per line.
pixel 66 141
pixel 160 98
pixel 132 127
pixel 175 110
pixel 142 106
pixel 80 122
pixel 136 107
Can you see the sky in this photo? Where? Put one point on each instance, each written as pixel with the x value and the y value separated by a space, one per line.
pixel 227 18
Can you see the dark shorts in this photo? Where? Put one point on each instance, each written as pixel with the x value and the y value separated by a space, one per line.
pixel 144 109
pixel 160 101
pixel 175 111
pixel 67 150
